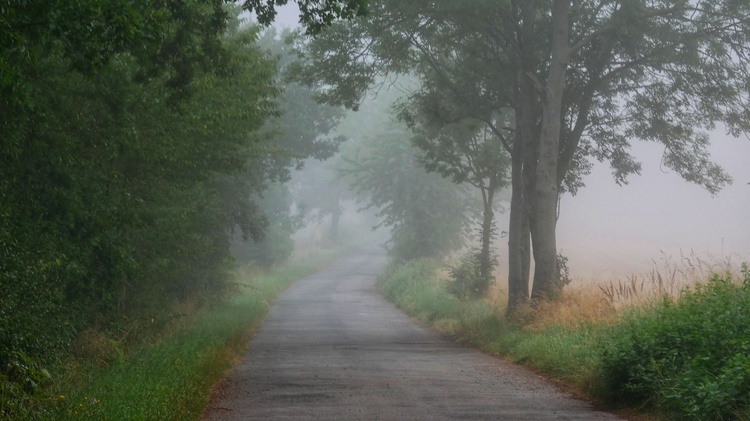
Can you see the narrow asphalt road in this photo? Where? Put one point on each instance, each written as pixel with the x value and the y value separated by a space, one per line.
pixel 333 349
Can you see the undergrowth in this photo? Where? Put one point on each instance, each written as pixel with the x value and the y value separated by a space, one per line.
pixel 685 355
pixel 688 357
pixel 167 378
pixel 565 352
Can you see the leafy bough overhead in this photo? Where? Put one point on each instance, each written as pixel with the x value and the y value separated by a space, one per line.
pixel 314 14
pixel 581 81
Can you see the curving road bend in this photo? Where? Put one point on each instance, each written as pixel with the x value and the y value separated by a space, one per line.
pixel 333 349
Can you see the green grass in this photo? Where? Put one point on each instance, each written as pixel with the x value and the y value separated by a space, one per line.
pixel 172 378
pixel 567 354
pixel 685 358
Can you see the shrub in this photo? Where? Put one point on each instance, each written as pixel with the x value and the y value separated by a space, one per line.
pixel 690 356
pixel 22 387
pixel 563 270
pixel 466 280
pixel 414 288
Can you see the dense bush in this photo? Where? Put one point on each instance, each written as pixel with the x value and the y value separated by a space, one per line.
pixel 22 387
pixel 34 317
pixel 121 183
pixel 689 357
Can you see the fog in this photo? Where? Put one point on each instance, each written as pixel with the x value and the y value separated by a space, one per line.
pixel 609 231
pixel 614 231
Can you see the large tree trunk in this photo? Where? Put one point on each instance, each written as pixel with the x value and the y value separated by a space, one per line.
pixel 522 162
pixel 546 274
pixel 518 235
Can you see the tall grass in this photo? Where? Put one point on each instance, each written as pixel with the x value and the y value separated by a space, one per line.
pixel 171 378
pixel 668 276
pixel 675 343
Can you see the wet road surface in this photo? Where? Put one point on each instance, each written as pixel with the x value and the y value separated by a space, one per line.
pixel 333 349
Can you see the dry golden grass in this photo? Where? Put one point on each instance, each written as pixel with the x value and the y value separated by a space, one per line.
pixel 668 276
pixel 498 294
pixel 602 303
pixel 576 306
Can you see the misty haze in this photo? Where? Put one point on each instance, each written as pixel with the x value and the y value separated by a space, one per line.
pixel 375 210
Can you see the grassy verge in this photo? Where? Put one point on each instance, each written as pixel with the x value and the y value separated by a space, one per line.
pixel 563 352
pixel 683 357
pixel 171 379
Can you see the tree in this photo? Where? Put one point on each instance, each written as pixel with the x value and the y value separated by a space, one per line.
pixel 426 214
pixel 276 244
pixel 546 270
pixel 125 127
pixel 646 61
pixel 107 188
pixel 90 33
pixel 468 153
pixel 314 14
pixel 319 191
pixel 302 130
pixel 650 70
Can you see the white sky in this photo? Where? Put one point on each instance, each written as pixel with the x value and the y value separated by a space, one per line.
pixel 619 229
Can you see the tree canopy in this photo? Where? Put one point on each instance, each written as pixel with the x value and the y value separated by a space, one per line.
pixel 314 14
pixel 581 79
pixel 135 138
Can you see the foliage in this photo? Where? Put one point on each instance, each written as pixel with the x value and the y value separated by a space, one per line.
pixel 648 70
pixel 315 14
pixel 466 278
pixel 131 146
pixel 276 245
pixel 169 377
pixel 35 318
pixel 424 211
pixel 108 189
pixel 568 353
pixel 23 385
pixel 690 357
pixel 405 285
pixel 623 58
pixel 562 267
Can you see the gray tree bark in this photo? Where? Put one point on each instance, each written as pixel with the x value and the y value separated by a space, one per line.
pixel 518 234
pixel 523 162
pixel 546 273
